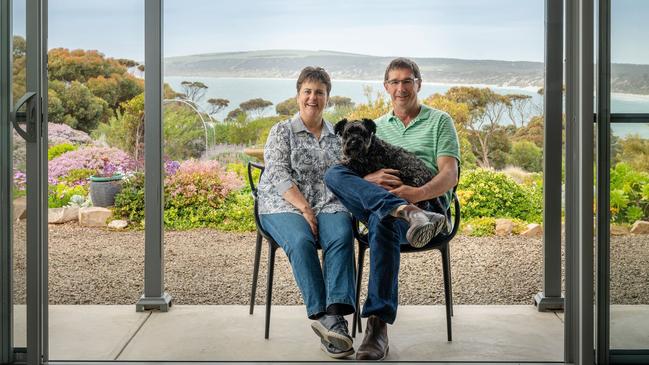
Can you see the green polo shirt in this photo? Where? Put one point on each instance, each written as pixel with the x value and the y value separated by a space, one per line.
pixel 430 135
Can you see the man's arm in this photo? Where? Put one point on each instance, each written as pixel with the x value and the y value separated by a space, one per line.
pixel 444 181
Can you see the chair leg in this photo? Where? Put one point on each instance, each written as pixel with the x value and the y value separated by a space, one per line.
pixel 255 272
pixel 269 286
pixel 359 278
pixel 446 268
pixel 450 280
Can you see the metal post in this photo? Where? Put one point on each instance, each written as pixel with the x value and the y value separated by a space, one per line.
pixel 6 177
pixel 550 298
pixel 603 180
pixel 154 296
pixel 578 327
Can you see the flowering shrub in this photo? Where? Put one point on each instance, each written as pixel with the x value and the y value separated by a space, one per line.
pixel 59 195
pixel 20 180
pixel 90 158
pixel 198 194
pixel 485 193
pixel 58 133
pixel 58 150
pixel 171 167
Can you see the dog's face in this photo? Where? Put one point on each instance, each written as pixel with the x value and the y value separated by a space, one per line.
pixel 357 136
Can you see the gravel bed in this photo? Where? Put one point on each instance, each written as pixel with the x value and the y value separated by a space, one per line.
pixel 204 266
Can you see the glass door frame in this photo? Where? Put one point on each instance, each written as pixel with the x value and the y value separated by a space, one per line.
pixel 35 134
pixel 604 119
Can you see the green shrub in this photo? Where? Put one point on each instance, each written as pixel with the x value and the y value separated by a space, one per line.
pixel 59 149
pixel 629 194
pixel 129 202
pixel 526 155
pixel 59 195
pixel 242 171
pixel 77 176
pixel 242 131
pixel 480 227
pixel 237 212
pixel 485 193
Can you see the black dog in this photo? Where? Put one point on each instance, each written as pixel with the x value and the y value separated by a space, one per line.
pixel 365 153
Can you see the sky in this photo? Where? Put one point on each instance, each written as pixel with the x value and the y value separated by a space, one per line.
pixel 469 29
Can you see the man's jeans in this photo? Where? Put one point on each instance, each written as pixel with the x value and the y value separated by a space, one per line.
pixel 372 205
pixel 333 283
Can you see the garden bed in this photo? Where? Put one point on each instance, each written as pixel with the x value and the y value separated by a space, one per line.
pixel 206 266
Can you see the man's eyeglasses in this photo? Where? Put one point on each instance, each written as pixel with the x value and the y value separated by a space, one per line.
pixel 405 82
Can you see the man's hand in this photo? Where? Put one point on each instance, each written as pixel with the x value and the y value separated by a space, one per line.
pixel 410 193
pixel 386 178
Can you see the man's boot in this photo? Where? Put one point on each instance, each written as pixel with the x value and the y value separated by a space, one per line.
pixel 424 225
pixel 375 342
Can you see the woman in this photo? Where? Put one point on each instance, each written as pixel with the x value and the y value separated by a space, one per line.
pixel 300 213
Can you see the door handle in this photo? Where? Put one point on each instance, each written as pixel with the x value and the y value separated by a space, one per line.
pixel 27 116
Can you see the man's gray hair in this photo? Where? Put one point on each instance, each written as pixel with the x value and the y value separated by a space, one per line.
pixel 401 63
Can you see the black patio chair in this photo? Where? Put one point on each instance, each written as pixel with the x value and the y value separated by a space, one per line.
pixel 440 243
pixel 272 248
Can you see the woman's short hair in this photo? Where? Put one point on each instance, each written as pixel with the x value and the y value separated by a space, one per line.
pixel 318 74
pixel 401 63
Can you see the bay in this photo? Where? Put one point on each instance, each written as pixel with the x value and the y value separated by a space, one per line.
pixel 238 90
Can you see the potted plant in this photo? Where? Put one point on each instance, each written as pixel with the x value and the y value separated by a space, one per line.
pixel 105 184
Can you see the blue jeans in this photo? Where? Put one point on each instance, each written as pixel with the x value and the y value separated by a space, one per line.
pixel 333 283
pixel 372 204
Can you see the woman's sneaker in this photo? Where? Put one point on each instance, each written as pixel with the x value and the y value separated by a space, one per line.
pixel 333 329
pixel 333 351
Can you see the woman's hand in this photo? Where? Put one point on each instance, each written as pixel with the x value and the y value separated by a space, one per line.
pixel 386 178
pixel 310 217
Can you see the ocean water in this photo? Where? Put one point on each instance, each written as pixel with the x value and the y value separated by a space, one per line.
pixel 237 90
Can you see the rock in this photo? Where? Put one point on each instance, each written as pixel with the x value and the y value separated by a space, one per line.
pixel 118 224
pixel 94 216
pixel 504 227
pixel 468 230
pixel 619 230
pixel 62 215
pixel 20 208
pixel 533 230
pixel 640 227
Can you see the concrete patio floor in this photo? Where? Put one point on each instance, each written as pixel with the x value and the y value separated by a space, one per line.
pixel 229 333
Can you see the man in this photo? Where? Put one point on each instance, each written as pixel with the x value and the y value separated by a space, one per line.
pixel 385 204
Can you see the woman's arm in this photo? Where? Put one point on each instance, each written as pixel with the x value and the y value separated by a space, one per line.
pixel 277 155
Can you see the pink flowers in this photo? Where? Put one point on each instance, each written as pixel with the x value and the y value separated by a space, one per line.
pixel 201 182
pixel 101 159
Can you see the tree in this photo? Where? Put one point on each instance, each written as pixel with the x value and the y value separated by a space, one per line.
pixel 519 109
pixel 19 47
pixel 235 114
pixel 194 91
pixel 80 108
pixel 376 105
pixel 255 106
pixel 79 65
pixel 341 102
pixel 486 109
pixel 532 132
pixel 216 105
pixel 287 107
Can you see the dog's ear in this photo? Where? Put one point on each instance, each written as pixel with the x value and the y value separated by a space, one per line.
pixel 369 125
pixel 340 126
